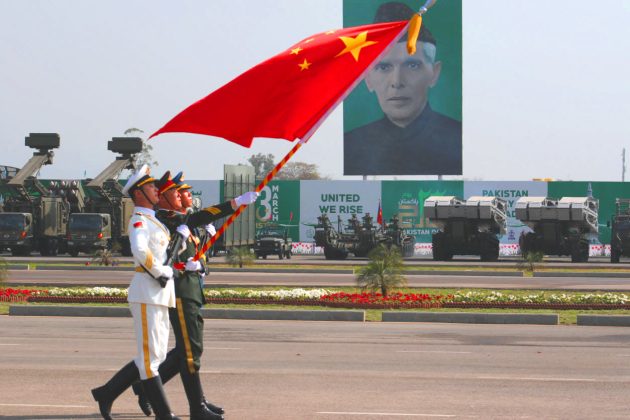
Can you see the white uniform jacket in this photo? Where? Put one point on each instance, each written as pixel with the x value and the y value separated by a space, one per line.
pixel 149 240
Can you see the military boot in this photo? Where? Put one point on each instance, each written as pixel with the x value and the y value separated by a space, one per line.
pixel 157 398
pixel 212 407
pixel 194 393
pixel 107 394
pixel 143 402
pixel 168 369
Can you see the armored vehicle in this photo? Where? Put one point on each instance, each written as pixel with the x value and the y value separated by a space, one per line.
pixel 560 227
pixel 107 212
pixel 273 240
pixel 470 227
pixel 34 217
pixel 359 237
pixel 620 234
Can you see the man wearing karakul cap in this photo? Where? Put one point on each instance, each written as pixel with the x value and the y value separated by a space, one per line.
pixel 149 300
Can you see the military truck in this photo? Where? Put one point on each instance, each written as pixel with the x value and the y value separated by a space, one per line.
pixel 34 217
pixel 560 227
pixel 620 233
pixel 273 239
pixel 88 232
pixel 470 227
pixel 104 220
pixel 359 237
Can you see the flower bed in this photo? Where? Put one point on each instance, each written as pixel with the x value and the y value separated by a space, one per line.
pixel 17 295
pixel 365 300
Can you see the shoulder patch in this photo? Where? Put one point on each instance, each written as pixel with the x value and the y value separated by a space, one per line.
pixel 212 210
pixel 137 224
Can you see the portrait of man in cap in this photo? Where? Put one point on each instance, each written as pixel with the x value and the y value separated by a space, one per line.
pixel 411 138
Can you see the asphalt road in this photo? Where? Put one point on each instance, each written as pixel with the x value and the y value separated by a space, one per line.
pixel 594 262
pixel 335 370
pixel 122 278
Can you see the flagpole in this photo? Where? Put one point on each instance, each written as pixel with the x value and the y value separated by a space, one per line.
pixel 240 209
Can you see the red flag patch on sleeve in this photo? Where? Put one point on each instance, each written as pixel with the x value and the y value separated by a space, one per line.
pixel 137 224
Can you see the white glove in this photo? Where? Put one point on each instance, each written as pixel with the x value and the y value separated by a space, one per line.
pixel 210 229
pixel 247 198
pixel 192 265
pixel 167 272
pixel 184 231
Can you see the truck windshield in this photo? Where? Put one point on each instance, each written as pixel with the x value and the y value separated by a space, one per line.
pixel 276 233
pixel 11 221
pixel 85 222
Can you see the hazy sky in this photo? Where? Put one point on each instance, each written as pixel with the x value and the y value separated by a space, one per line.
pixel 546 84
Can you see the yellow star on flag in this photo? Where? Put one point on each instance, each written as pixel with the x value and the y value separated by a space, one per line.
pixel 354 45
pixel 305 65
pixel 296 51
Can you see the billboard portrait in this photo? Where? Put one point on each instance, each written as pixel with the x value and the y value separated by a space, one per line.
pixel 405 117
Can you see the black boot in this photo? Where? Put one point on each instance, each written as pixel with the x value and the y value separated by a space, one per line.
pixel 212 407
pixel 107 394
pixel 143 403
pixel 155 394
pixel 194 393
pixel 168 369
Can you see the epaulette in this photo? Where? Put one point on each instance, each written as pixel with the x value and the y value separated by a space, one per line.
pixel 212 210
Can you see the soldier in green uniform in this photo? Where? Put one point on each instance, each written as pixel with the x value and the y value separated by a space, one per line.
pixel 186 318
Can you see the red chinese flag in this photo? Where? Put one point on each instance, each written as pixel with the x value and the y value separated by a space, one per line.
pixel 289 95
pixel 379 215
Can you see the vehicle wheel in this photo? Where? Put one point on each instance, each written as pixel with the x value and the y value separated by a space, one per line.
pixel 489 249
pixel 526 242
pixel 53 247
pixel 73 252
pixel 264 256
pixel 16 251
pixel 438 247
pixel 615 255
pixel 579 251
pixel 288 255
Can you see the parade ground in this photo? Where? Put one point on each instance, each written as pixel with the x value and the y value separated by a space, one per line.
pixel 331 370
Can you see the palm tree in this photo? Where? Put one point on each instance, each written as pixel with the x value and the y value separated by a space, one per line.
pixel 384 271
pixel 240 256
pixel 3 270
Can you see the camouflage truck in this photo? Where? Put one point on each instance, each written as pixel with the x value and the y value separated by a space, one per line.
pixel 103 222
pixel 560 227
pixel 88 232
pixel 470 227
pixel 34 217
pixel 273 239
pixel 620 230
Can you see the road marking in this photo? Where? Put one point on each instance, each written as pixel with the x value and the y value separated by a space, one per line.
pixel 221 348
pixel 433 351
pixel 4 344
pixel 209 371
pixel 623 355
pixel 519 378
pixel 356 413
pixel 43 405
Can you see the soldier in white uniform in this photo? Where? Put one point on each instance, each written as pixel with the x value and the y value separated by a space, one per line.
pixel 151 293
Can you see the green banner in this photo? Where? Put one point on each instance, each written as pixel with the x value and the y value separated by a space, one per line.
pixel 279 203
pixel 406 198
